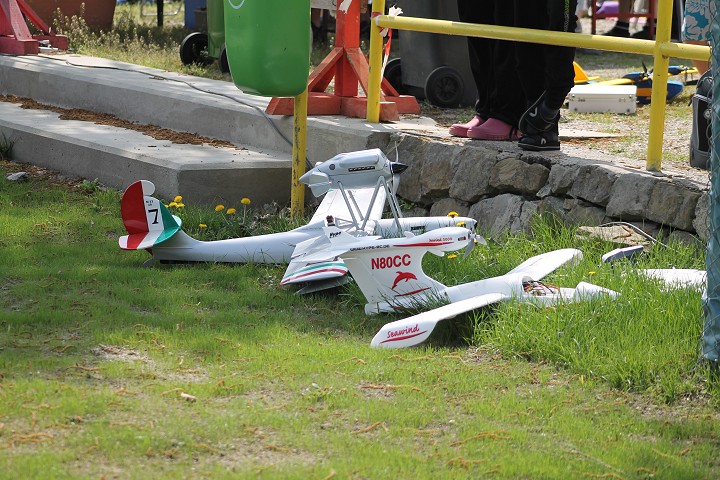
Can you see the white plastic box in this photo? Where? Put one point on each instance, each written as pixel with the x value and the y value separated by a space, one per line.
pixel 603 99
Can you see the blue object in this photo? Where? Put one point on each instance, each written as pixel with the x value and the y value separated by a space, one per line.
pixel 190 7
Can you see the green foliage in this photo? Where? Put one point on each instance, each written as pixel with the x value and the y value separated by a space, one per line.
pixel 232 222
pixel 111 369
pixel 108 369
pixel 90 186
pixel 6 147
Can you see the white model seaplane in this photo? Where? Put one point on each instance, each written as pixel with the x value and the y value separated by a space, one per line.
pixel 389 273
pixel 356 186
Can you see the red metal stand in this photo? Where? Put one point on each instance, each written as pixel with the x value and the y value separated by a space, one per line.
pixel 349 67
pixel 15 37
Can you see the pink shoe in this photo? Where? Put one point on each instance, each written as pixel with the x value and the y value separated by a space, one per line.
pixel 494 129
pixel 461 129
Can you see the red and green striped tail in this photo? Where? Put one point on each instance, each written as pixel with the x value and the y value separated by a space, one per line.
pixel 147 221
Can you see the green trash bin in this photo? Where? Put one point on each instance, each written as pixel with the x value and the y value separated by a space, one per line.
pixel 268 45
pixel 216 28
pixel 203 48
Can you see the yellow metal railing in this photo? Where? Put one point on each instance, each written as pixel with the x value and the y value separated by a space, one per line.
pixel 661 49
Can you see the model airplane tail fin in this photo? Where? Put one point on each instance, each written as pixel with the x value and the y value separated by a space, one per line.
pixel 147 221
pixel 391 276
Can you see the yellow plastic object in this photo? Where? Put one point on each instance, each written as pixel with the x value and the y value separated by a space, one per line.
pixel 268 45
pixel 580 76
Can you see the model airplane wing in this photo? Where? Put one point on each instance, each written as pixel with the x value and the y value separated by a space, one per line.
pixel 312 261
pixel 350 182
pixel 416 329
pixel 544 264
pixel 677 277
pixel 318 258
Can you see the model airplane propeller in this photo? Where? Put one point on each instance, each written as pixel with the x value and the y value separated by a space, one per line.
pixel 356 187
pixel 390 275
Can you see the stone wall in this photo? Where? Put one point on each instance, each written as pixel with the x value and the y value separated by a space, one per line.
pixel 503 187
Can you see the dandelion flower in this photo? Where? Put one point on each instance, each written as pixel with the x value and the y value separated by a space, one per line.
pixel 245 201
pixel 177 199
pixel 591 273
pixel 180 205
pixel 461 224
pixel 219 208
pixel 172 204
pixel 452 214
pixel 230 211
pixel 452 255
pixel 202 225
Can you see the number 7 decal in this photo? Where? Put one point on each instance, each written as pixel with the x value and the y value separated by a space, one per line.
pixel 155 211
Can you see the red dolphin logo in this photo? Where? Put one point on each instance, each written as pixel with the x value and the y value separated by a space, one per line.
pixel 403 276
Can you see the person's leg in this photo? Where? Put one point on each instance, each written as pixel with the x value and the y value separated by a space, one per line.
pixel 506 99
pixel 622 26
pixel 319 35
pixel 559 70
pixel 645 34
pixel 480 50
pixel 530 57
pixel 539 123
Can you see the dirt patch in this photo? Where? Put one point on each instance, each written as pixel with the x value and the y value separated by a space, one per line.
pixel 50 178
pixel 153 131
pixel 115 353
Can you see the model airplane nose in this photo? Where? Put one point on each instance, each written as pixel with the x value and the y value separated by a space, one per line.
pixel 397 167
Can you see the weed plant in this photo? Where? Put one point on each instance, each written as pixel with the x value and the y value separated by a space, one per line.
pixel 6 147
pixel 230 222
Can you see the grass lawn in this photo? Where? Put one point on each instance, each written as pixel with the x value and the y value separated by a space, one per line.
pixel 109 369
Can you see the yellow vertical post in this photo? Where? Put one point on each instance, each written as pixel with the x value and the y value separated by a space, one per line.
pixel 658 99
pixel 297 193
pixel 374 75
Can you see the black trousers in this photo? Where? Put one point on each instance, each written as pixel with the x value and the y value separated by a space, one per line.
pixel 492 62
pixel 546 68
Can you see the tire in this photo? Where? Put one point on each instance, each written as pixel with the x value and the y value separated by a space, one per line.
pixel 393 74
pixel 193 49
pixel 223 61
pixel 444 87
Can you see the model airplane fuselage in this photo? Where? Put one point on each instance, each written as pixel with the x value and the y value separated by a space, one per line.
pixel 355 185
pixel 389 273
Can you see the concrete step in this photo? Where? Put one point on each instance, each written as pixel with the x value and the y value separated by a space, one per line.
pixel 176 101
pixel 260 169
pixel 118 156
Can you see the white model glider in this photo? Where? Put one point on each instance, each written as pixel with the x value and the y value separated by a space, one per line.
pixel 677 277
pixel 356 186
pixel 389 273
pixel 672 278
